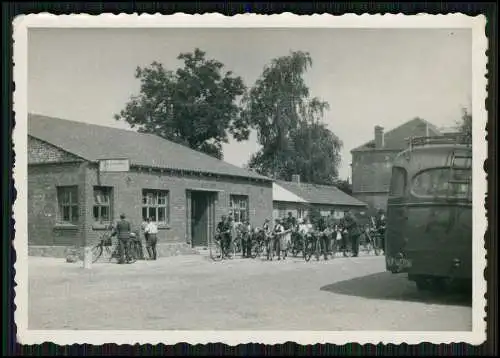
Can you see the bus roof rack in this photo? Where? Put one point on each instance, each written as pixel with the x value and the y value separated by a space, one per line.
pixel 447 138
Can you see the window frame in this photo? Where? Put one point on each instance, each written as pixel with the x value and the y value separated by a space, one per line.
pixel 109 204
pixel 72 204
pixel 155 204
pixel 232 209
pixel 467 196
pixel 402 192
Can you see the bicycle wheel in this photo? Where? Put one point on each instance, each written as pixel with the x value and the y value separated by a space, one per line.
pixel 308 250
pixel 132 253
pixel 96 252
pixel 215 252
pixel 255 249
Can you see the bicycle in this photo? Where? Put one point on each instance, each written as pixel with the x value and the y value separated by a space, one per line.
pixel 111 251
pixel 258 243
pixel 312 247
pixel 298 244
pixel 215 249
pixel 370 241
pixel 104 246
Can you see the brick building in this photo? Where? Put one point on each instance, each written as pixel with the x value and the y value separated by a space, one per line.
pixel 300 198
pixel 82 176
pixel 372 161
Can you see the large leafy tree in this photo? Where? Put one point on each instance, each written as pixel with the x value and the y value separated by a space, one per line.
pixel 287 120
pixel 195 106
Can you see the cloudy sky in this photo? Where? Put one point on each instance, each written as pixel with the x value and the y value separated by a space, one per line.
pixel 369 76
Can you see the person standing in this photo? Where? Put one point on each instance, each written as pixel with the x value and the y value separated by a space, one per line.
pixel 122 230
pixel 278 234
pixel 354 233
pixel 266 229
pixel 380 225
pixel 246 242
pixel 223 233
pixel 324 236
pixel 151 233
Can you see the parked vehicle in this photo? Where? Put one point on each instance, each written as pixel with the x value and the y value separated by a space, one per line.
pixel 429 212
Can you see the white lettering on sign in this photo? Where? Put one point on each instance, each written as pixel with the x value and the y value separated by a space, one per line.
pixel 114 165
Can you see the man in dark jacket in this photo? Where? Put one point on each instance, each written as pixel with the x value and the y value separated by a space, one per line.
pixel 122 230
pixel 324 236
pixel 223 231
pixel 354 232
pixel 380 223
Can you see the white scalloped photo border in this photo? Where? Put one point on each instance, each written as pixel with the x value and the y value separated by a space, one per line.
pixel 213 20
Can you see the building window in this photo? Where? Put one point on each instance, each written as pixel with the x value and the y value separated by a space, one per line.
pixel 67 198
pixel 102 208
pixel 155 206
pixel 338 214
pixel 238 206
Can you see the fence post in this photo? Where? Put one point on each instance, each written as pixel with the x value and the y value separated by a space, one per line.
pixel 87 257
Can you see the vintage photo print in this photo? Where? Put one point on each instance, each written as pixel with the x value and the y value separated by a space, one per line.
pixel 250 179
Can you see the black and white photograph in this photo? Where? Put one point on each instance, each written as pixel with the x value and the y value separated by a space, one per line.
pixel 198 179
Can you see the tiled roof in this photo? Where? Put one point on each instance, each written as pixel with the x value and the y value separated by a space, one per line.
pixel 281 194
pixel 320 194
pixel 93 142
pixel 396 139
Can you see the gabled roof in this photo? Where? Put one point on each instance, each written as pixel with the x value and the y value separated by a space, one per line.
pixel 93 142
pixel 281 194
pixel 396 139
pixel 320 194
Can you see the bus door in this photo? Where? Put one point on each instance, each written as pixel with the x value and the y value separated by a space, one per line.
pixel 397 216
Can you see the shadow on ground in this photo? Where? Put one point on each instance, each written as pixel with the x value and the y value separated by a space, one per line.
pixel 388 286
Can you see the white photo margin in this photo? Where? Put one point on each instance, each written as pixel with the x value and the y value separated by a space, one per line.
pixel 286 20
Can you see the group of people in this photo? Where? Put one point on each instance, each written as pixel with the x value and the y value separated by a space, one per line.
pixel 290 232
pixel 123 231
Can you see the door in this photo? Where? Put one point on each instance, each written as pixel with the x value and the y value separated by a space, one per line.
pixel 202 217
pixel 199 222
pixel 396 219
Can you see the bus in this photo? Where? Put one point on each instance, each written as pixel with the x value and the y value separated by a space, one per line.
pixel 429 212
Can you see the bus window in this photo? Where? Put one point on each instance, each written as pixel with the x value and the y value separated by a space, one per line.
pixel 438 183
pixel 398 182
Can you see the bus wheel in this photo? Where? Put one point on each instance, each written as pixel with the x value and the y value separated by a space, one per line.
pixel 423 284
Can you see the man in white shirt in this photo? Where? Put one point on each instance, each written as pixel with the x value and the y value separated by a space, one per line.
pixel 151 231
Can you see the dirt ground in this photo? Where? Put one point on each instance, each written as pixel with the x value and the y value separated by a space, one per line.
pixel 192 292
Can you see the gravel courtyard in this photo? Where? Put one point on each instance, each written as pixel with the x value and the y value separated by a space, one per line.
pixel 192 292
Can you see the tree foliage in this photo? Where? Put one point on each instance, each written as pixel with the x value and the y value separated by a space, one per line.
pixel 195 106
pixel 345 186
pixel 287 120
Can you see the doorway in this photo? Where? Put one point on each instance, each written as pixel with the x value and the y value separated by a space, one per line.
pixel 201 216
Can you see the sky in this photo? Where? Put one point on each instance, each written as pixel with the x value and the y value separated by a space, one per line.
pixel 369 77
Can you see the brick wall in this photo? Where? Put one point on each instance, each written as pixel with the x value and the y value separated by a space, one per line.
pixel 42 152
pixel 371 171
pixel 44 176
pixel 44 225
pixel 127 198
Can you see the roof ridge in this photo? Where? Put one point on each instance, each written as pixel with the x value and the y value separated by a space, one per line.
pixel 32 116
pixel 113 131
pixel 395 128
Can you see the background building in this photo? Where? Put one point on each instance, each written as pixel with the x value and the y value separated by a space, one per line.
pixel 300 198
pixel 372 161
pixel 82 176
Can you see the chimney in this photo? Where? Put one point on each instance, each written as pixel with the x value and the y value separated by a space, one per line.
pixel 423 129
pixel 379 137
pixel 296 178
